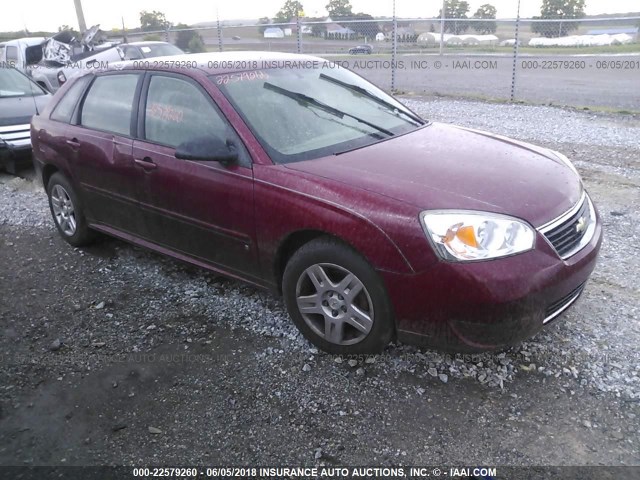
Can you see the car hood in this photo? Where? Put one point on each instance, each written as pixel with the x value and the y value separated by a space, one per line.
pixel 447 167
pixel 19 110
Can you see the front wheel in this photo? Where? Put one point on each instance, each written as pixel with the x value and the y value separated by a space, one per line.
pixel 336 299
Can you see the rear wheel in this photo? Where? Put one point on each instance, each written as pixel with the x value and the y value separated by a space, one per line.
pixel 336 299
pixel 67 211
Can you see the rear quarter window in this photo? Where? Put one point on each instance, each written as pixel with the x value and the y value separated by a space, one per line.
pixel 65 108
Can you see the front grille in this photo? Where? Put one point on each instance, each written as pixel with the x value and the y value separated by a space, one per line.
pixel 560 305
pixel 16 136
pixel 567 233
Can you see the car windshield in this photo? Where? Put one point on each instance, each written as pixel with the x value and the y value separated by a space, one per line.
pixel 159 50
pixel 15 84
pixel 300 114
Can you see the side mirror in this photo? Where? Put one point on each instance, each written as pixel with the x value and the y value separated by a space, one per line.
pixel 211 149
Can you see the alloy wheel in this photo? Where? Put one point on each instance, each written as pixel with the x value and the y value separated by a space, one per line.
pixel 63 210
pixel 335 304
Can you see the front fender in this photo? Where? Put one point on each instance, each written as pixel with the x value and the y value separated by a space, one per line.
pixel 288 203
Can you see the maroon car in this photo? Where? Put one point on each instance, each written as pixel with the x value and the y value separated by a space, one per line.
pixel 298 176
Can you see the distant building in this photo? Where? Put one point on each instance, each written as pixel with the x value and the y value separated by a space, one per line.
pixel 273 32
pixel 335 30
pixel 614 31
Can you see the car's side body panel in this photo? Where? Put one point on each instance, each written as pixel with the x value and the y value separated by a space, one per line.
pixel 288 203
pixel 201 209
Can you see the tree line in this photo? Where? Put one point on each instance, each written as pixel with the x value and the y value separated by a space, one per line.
pixel 364 25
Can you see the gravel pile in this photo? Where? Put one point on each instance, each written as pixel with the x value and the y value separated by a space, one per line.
pixel 534 123
pixel 23 203
pixel 593 347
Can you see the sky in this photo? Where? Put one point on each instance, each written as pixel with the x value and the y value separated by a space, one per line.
pixel 48 15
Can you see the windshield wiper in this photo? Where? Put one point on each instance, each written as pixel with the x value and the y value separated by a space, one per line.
pixel 302 98
pixel 363 91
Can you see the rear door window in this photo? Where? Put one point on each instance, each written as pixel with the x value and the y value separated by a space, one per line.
pixel 108 105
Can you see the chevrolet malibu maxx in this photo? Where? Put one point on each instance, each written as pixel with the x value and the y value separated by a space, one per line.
pixel 373 223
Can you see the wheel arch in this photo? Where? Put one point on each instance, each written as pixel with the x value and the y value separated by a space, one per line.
pixel 47 172
pixel 289 245
pixel 292 242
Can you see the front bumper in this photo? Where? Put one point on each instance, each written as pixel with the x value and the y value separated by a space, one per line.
pixel 15 146
pixel 471 307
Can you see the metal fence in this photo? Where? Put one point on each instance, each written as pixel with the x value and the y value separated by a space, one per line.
pixel 587 62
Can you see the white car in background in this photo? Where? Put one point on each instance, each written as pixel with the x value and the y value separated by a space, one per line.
pixel 53 78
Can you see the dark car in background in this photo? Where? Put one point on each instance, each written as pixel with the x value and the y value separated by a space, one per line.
pixel 20 99
pixel 365 49
pixel 372 222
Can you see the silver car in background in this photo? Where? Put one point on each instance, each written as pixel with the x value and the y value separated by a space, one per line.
pixel 53 77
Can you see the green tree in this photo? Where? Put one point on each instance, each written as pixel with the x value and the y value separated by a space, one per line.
pixel 153 21
pixel 485 11
pixel 70 30
pixel 289 10
pixel 264 24
pixel 367 28
pixel 183 36
pixel 317 29
pixel 196 45
pixel 558 10
pixel 339 8
pixel 454 10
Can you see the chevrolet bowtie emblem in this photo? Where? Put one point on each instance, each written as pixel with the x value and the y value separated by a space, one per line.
pixel 581 225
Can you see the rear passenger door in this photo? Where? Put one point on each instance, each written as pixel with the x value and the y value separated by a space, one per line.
pixel 197 208
pixel 101 144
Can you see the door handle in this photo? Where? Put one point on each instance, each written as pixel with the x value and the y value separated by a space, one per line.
pixel 145 163
pixel 74 143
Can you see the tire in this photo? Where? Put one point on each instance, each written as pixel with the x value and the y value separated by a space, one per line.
pixel 336 299
pixel 67 211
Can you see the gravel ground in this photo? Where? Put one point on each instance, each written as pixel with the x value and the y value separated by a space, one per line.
pixel 112 342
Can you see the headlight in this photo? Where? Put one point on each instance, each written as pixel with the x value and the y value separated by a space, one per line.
pixel 566 161
pixel 471 235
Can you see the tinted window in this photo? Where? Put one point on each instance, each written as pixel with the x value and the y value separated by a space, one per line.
pixel 109 103
pixel 64 109
pixel 177 111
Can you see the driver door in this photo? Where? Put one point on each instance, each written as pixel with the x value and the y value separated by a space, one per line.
pixel 203 210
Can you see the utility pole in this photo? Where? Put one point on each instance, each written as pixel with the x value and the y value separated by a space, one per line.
pixel 444 7
pixel 81 23
pixel 124 32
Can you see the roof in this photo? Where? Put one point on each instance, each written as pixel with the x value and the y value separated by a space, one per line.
pixel 147 42
pixel 613 31
pixel 29 41
pixel 223 62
